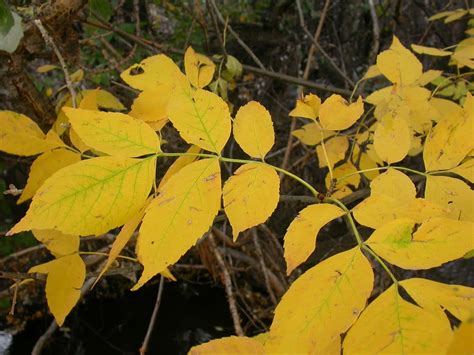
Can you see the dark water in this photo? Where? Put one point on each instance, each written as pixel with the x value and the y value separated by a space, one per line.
pixel 189 314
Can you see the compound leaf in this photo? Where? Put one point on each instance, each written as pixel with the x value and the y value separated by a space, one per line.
pixel 435 242
pixel 321 305
pixel 391 325
pixel 43 167
pixel 253 130
pixel 250 196
pixel 202 118
pixel 66 276
pixel 437 297
pixel 113 133
pixel 300 238
pixel 183 211
pixel 90 197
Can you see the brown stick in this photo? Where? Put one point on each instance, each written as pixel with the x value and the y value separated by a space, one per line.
pixel 152 322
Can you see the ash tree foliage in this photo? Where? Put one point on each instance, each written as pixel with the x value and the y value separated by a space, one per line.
pixel 105 178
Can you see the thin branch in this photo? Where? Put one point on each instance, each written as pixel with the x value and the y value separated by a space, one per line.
pixel 236 36
pixel 49 41
pixel 152 322
pixel 263 266
pixel 226 280
pixel 375 32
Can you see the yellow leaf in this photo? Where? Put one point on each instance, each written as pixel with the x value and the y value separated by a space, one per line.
pixel 366 163
pixel 440 15
pixel 229 346
pixel 321 305
pixel 19 135
pixel 337 114
pixel 399 65
pixel 77 141
pixel 43 167
pixel 114 133
pixel 153 72
pixel 66 276
pixel 310 134
pixel 152 105
pixel 57 243
pixel 466 170
pixel 453 194
pixel 253 130
pixel 436 242
pixel 392 138
pixel 445 107
pixel 449 142
pixel 199 68
pixel 430 51
pixel 336 149
pixel 307 107
pixel 202 119
pixel 77 76
pixel 437 297
pixel 463 54
pixel 158 126
pixel 391 325
pixel 300 238
pixel 183 211
pixel 180 163
pixel 428 76
pixel 122 239
pixel 90 197
pixel 393 195
pixel 345 174
pixel 456 14
pixel 250 196
pixel 372 72
pixel 462 343
pixel 46 68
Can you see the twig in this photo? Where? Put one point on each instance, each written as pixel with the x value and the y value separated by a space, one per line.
pixel 312 52
pixel 375 32
pixel 263 266
pixel 43 339
pixel 49 41
pixel 151 324
pixel 236 36
pixel 228 288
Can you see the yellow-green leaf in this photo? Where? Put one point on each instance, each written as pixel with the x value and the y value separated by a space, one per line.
pixel 300 238
pixel 437 297
pixel 307 107
pixel 336 113
pixel 202 119
pixel 43 167
pixel 229 346
pixel 435 242
pixel 310 134
pixel 199 68
pixel 391 325
pixel 90 197
pixel 57 243
pixel 183 211
pixel 154 72
pixel 430 51
pixel 20 135
pixel 392 138
pixel 122 238
pixel 113 133
pixel 180 163
pixel 321 305
pixel 253 130
pixel 250 196
pixel 428 76
pixel 399 65
pixel 453 194
pixel 66 276
pixel 462 343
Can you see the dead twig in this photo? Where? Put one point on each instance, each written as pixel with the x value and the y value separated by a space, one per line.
pixel 152 322
pixel 263 266
pixel 49 41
